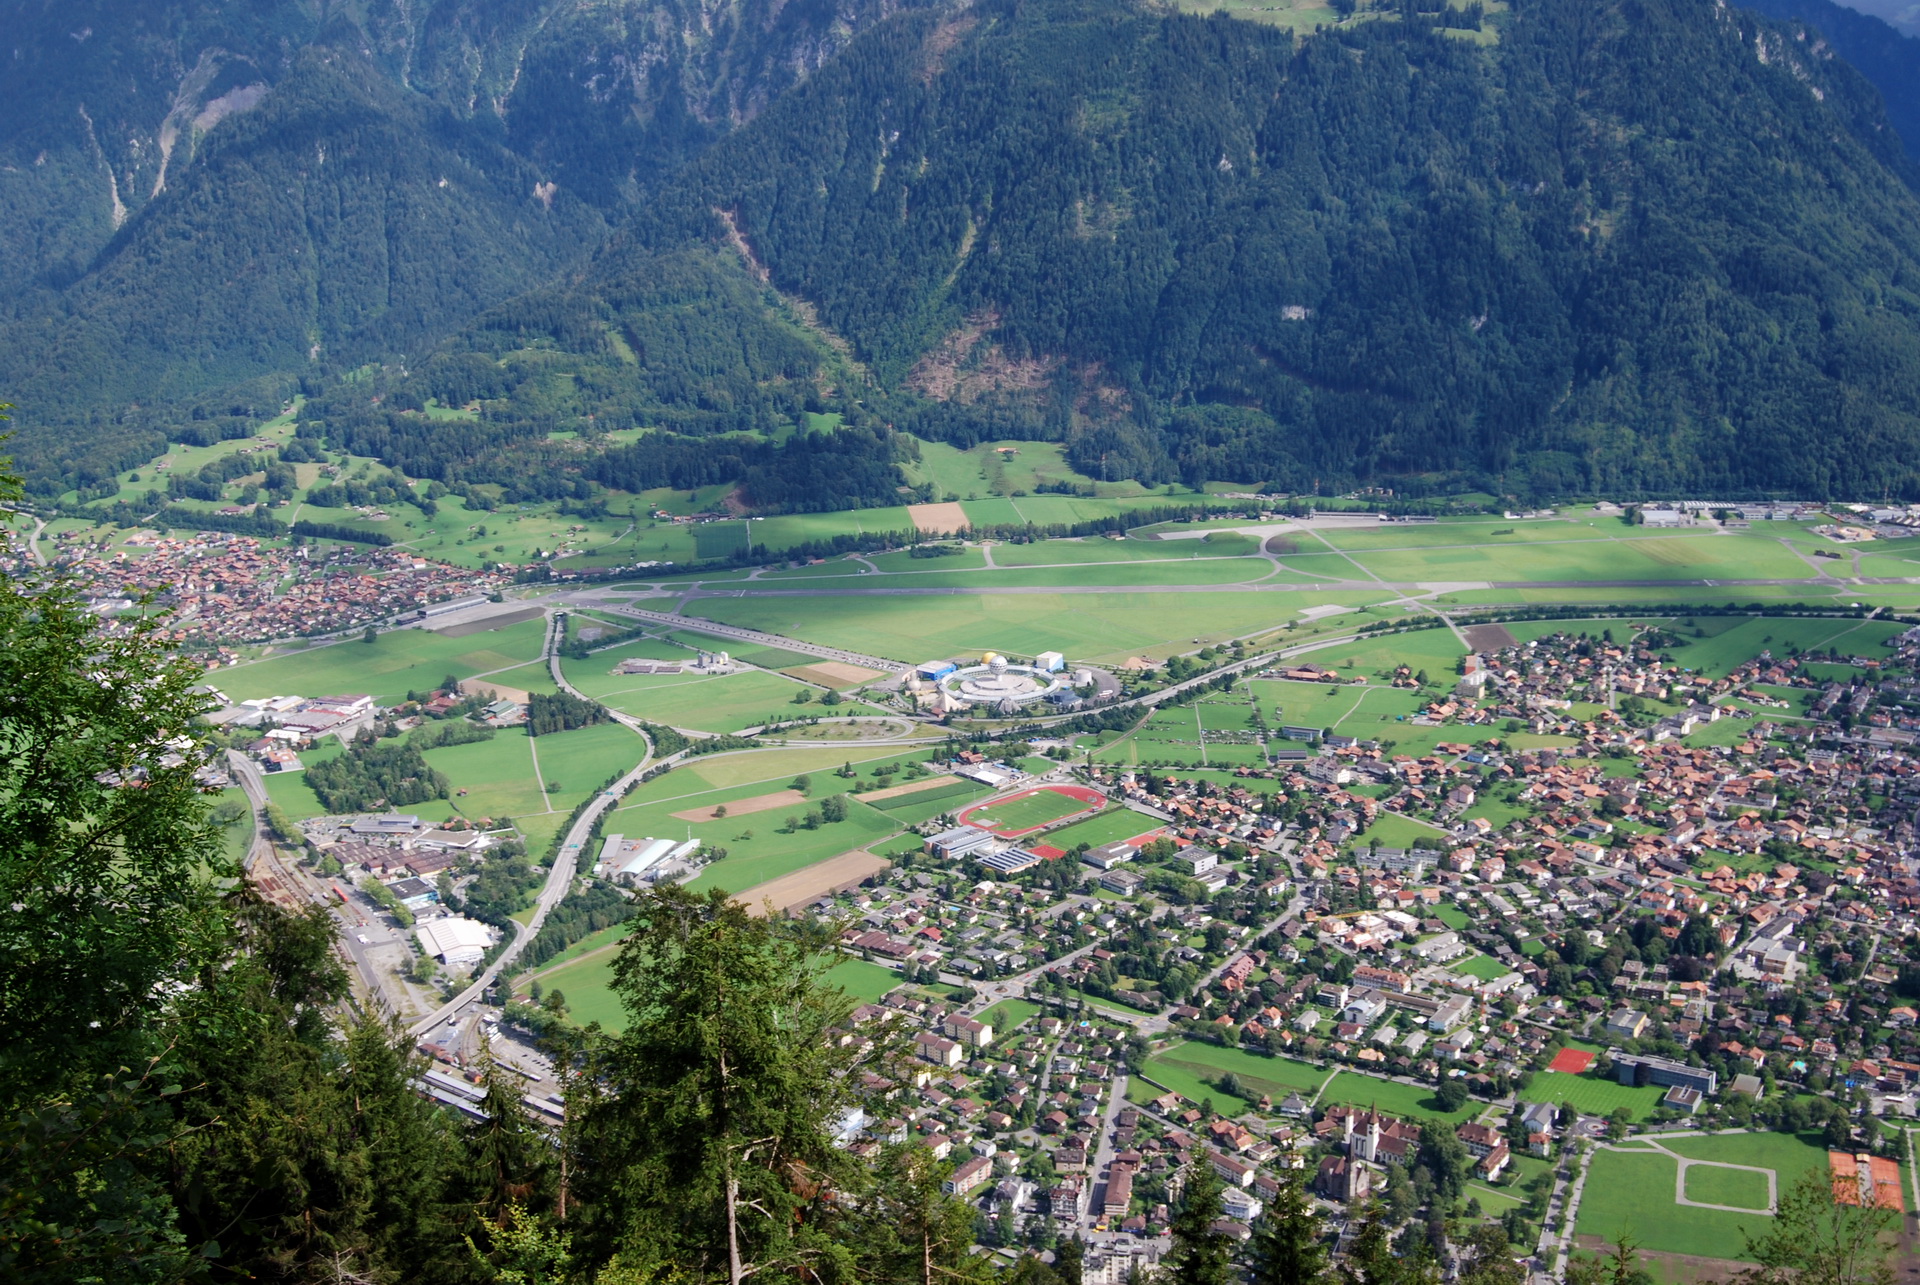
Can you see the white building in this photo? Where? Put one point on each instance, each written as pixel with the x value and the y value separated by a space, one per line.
pixel 455 942
pixel 1050 662
pixel 625 860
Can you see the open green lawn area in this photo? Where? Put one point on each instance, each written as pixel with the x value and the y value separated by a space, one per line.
pixel 237 837
pixel 1392 1097
pixel 1591 1094
pixel 580 761
pixel 1257 1072
pixel 497 775
pixel 864 981
pixel 1094 627
pixel 1195 1085
pixel 1787 1154
pixel 770 855
pixel 1623 557
pixel 724 703
pixel 387 668
pixel 757 851
pixel 1396 831
pixel 1633 1192
pixel 1713 1185
pixel 1115 825
pixel 587 985
pixel 1484 967
pixel 1452 916
pixel 1434 650
pixel 1006 1017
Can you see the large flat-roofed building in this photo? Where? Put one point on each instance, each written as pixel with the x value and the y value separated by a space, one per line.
pixel 962 840
pixel 1642 1069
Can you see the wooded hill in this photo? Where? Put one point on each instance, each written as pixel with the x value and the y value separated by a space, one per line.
pixel 207 205
pixel 1575 246
pixel 1642 244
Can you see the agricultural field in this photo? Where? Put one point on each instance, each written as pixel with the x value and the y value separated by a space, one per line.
pixel 387 668
pixel 1730 641
pixel 757 788
pixel 705 702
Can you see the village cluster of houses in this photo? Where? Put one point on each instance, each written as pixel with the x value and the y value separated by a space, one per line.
pixel 234 589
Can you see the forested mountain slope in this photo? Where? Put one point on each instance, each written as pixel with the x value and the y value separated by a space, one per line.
pixel 204 193
pixel 1626 244
pixel 1885 55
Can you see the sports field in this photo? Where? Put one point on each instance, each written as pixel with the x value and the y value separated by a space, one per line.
pixel 1115 825
pixel 1025 813
pixel 1592 1095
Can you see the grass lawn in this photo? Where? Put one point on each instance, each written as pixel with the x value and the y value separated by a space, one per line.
pixel 1276 1076
pixel 770 855
pixel 724 703
pixel 1452 916
pixel 1731 641
pixel 497 775
pixel 1713 1185
pixel 1189 1084
pixel 588 987
pixel 1591 1094
pixel 1787 1154
pixel 387 668
pixel 237 838
pixel 1485 967
pixel 1112 826
pixel 1396 831
pixel 1406 1100
pixel 1006 1016
pixel 1632 1193
pixel 580 761
pixel 864 981
pixel 1095 627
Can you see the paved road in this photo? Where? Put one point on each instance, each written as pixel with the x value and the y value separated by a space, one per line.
pixel 1103 1156
pixel 559 881
pixel 247 773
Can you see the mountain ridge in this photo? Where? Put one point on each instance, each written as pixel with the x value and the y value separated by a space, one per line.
pixel 1634 244
pixel 1615 246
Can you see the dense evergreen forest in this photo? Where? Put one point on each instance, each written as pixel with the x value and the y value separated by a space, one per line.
pixel 206 206
pixel 1886 56
pixel 1573 246
pixel 1635 245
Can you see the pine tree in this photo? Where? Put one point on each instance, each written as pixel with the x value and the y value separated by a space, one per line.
pixel 1286 1243
pixel 1200 1255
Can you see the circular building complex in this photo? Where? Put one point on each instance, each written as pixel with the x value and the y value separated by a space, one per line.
pixel 1001 685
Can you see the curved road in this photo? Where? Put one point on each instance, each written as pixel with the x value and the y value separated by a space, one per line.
pixel 559 878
